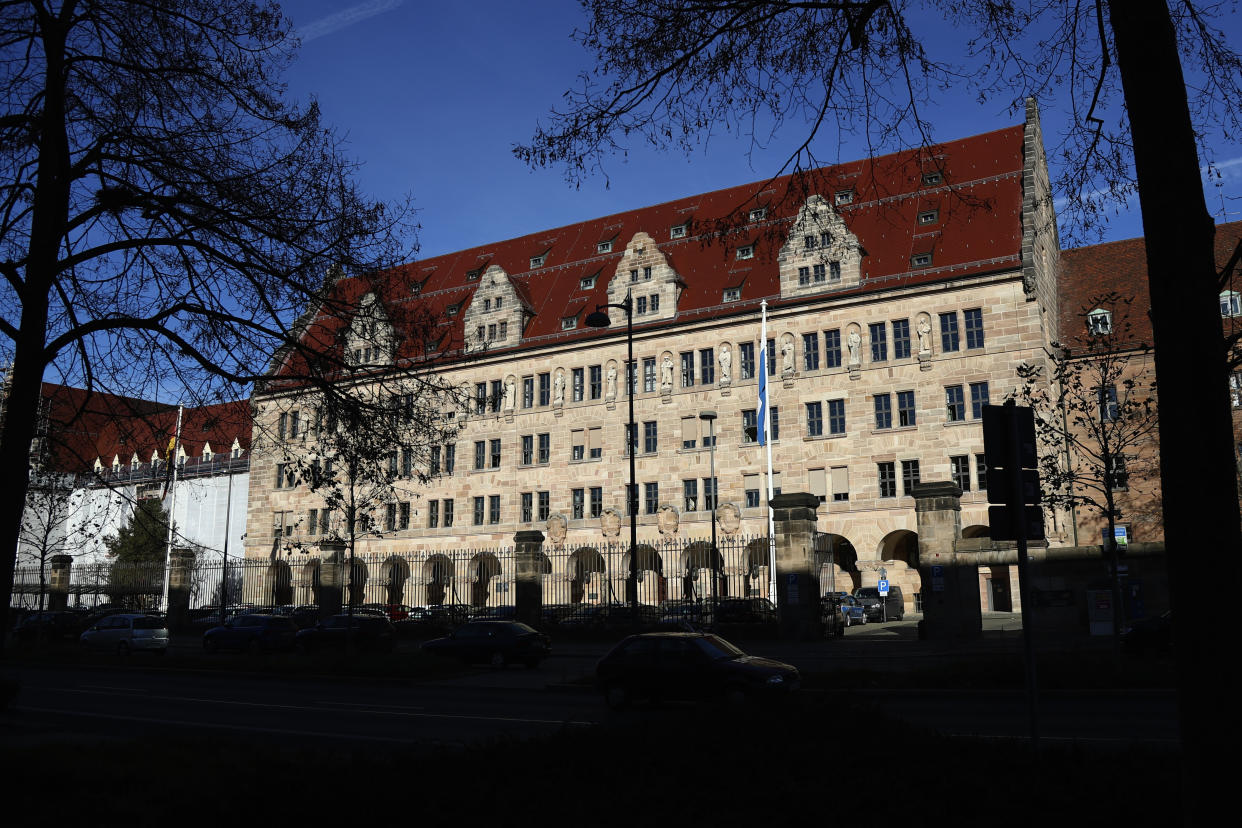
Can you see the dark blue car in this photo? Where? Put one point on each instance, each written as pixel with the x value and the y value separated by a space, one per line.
pixel 256 633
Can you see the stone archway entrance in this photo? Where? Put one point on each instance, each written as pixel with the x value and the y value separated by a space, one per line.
pixel 899 554
pixel 484 567
pixel 278 584
pixel 438 574
pixel 838 563
pixel 701 565
pixel 396 573
pixel 652 585
pixel 586 575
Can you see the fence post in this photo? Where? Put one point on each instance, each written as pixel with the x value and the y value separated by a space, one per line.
pixel 331 577
pixel 180 570
pixel 797 576
pixel 58 583
pixel 528 557
pixel 950 585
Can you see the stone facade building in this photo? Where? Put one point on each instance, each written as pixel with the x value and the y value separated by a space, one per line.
pixel 902 293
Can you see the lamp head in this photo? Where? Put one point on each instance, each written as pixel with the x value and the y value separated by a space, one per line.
pixel 598 319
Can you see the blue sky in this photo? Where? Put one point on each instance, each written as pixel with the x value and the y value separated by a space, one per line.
pixel 433 95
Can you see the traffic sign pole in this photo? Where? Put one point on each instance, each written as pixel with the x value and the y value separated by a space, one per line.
pixel 1017 508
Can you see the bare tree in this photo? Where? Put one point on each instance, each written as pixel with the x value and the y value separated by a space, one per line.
pixel 670 72
pixel 165 214
pixel 1096 422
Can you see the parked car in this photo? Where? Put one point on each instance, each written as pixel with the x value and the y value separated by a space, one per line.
pixel 746 611
pixel 850 608
pixel 364 632
pixel 258 633
pixel 494 614
pixel 688 666
pixel 1149 635
pixel 58 625
pixel 304 615
pixel 498 643
pixel 124 633
pixel 890 608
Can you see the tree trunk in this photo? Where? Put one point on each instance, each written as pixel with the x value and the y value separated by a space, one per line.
pixel 1201 520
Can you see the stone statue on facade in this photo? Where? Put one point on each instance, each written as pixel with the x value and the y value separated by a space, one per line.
pixel 510 394
pixel 853 341
pixel 924 336
pixel 726 364
pixel 558 388
pixel 787 356
pixel 610 389
pixel 666 374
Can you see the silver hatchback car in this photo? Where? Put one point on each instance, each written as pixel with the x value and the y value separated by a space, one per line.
pixel 126 632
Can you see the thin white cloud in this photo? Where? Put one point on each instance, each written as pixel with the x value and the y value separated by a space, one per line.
pixel 345 18
pixel 1229 168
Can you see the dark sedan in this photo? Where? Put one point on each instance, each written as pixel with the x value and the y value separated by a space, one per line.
pixel 364 632
pixel 497 643
pixel 688 666
pixel 257 633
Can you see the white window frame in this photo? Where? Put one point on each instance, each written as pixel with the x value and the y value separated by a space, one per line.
pixel 746 251
pixel 1100 322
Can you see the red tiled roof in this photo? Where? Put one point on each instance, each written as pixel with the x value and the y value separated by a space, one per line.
pixel 979 231
pixel 1088 273
pixel 83 426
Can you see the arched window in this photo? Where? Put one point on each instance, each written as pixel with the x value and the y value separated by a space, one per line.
pixel 1099 322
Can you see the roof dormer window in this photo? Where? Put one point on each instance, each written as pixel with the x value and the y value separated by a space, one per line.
pixel 921 260
pixel 677 232
pixel 473 275
pixel 843 197
pixel 931 179
pixel 604 247
pixel 587 283
pixel 452 310
pixel 758 214
pixel 568 323
pixel 1230 303
pixel 746 252
pixel 929 216
pixel 732 294
pixel 1099 322
pixel 537 261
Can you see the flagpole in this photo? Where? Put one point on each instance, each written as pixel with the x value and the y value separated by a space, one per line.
pixel 172 506
pixel 765 429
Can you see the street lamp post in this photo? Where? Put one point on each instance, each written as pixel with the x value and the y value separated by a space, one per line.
pixel 710 418
pixel 599 319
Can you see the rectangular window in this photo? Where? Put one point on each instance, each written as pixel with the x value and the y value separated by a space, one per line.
pixel 478 511
pixel 545 389
pixel 577 442
pixel 282 426
pixel 750 425
pixel 493 509
pixel 390 517
pixel 974 328
pixel 651 498
pixel 905 408
pixel 959 469
pixel 312 521
pixel 690 495
pixel 774 420
pixel 579 383
pixel 654 301
pixel 814 419
pixel 595 445
pixel 836 417
pixel 840 484
pixel 818 275
pixel 771 357
pixel 955 403
pixel 498 396
pixel 887 473
pixel 631 376
pixel 1120 478
pixel 528 392
pixel 909 476
pixel 450 458
pixel 981 471
pixel 436 452
pixel 649 437
pixel 810 351
pixel 689 432
pixel 433 514
pixel 597 501
pixel 750 485
pixel 832 348
pixel 948 332
pixel 545 448
pixel 901 339
pixel 978 399
pixel 707 366
pixel 879 342
pixel 495 454
pixel 448 513
pixel 597 381
pixel 1109 409
pixel 709 493
pixel 392 465
pixel 834 271
pixel 804 276
pixel 687 369
pixel 480 398
pixel 649 374
pixel 528 449
pixel 480 455
pixel 545 505
pixel 817 484
pixel 883 411
pixel 403 515
pixel 747 351
pixel 641 305
pixel 630 440
pixel 528 507
pixel 577 503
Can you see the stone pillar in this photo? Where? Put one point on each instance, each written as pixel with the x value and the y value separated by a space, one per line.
pixel 331 577
pixel 797 577
pixel 528 557
pixel 180 576
pixel 58 582
pixel 950 585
